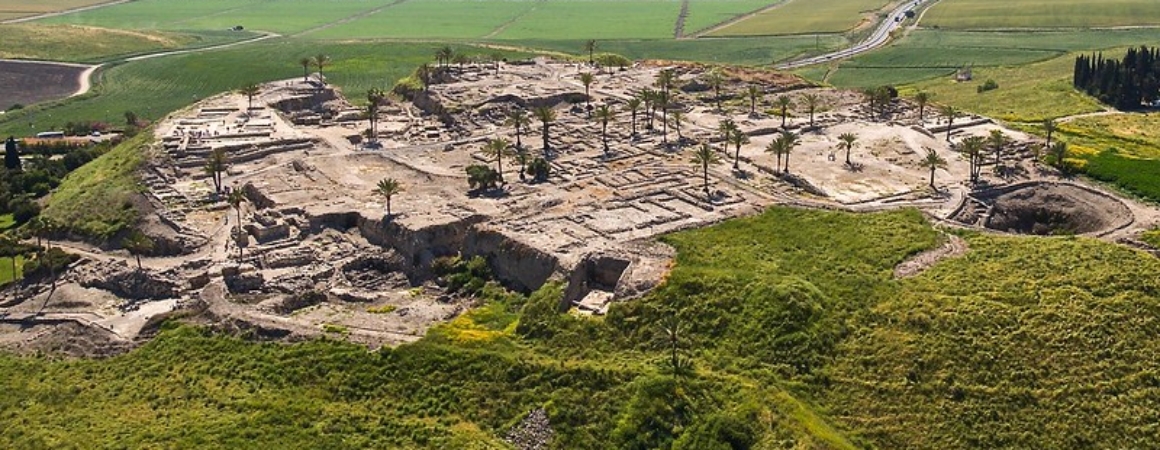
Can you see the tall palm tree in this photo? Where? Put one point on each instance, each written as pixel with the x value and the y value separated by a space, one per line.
pixel 321 61
pixel 388 187
pixel 678 117
pixel 871 97
pixel 812 103
pixel 306 62
pixel 444 54
pixel 604 115
pixel 933 161
pixel 950 113
pixel 546 115
pixel 590 47
pixel 250 91
pixel 776 147
pixel 235 199
pixel 784 103
pixel 215 164
pixel 789 141
pixel 997 140
pixel 375 98
pixel 586 78
pixel 665 80
pixel 518 118
pixel 633 106
pixel 649 97
pixel 754 92
pixel 922 98
pixel 424 72
pixel 973 146
pixel 137 243
pixel 846 142
pixel 1059 154
pixel 738 138
pixel 726 128
pixel 715 80
pixel 1049 126
pixel 705 157
pixel 662 102
pixel 497 148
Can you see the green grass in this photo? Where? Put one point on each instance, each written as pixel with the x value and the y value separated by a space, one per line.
pixel 6 273
pixel 155 87
pixel 991 14
pixel 797 335
pixel 743 51
pixel 11 9
pixel 1152 237
pixel 6 221
pixel 102 197
pixel 707 13
pixel 596 19
pixel 805 17
pixel 72 43
pixel 443 19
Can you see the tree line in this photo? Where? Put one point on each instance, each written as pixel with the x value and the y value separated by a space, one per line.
pixel 1127 84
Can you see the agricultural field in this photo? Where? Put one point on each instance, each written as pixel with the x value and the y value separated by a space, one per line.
pixel 71 43
pixel 155 87
pixel 1123 149
pixel 754 51
pixel 704 14
pixel 32 83
pixel 1023 14
pixel 806 17
pixel 11 9
pixel 639 19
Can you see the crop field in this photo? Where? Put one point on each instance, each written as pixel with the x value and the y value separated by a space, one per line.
pixel 11 9
pixel 804 17
pixel 453 19
pixel 29 83
pixel 72 43
pixel 926 54
pixel 998 14
pixel 154 87
pixel 707 13
pixel 744 51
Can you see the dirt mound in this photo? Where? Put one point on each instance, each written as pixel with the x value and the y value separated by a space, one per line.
pixel 1047 209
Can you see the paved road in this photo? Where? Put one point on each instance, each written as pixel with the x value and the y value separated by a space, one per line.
pixel 879 38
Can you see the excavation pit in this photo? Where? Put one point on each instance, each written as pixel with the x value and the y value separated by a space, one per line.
pixel 1053 209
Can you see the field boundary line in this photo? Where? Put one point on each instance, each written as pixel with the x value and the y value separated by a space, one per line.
pixel 348 19
pixel 733 20
pixel 504 26
pixel 679 27
pixel 62 12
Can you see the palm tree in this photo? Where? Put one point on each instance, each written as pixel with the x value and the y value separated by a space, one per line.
pixel 662 102
pixel 519 119
pixel 776 147
pixel 546 116
pixel 321 61
pixel 590 47
pixel 665 80
pixel 604 114
pixel 250 91
pixel 784 103
pixel 214 166
pixel 847 141
pixel 705 157
pixel 235 199
pixel 789 141
pixel 424 73
pixel 922 98
pixel 521 156
pixel 1059 153
pixel 648 96
pixel 726 128
pixel 306 63
pixel 812 102
pixel 460 59
pixel 375 98
pixel 933 161
pixel 586 78
pixel 678 117
pixel 388 187
pixel 973 147
pixel 738 138
pixel 997 140
pixel 871 97
pixel 137 243
pixel 633 106
pixel 497 148
pixel 444 55
pixel 715 80
pixel 950 113
pixel 754 91
pixel 1049 127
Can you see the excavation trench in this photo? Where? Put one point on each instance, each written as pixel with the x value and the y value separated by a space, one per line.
pixel 1045 209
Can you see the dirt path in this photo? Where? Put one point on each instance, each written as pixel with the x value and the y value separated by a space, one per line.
pixel 954 246
pixel 505 25
pixel 734 20
pixel 679 27
pixel 348 19
pixel 1105 112
pixel 61 13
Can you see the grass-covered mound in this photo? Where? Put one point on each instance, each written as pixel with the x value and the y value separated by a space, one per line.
pixel 783 330
pixel 100 199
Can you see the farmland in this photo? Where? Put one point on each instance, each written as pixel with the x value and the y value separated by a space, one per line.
pixel 11 9
pixel 71 43
pixel 805 17
pixel 35 82
pixel 1023 14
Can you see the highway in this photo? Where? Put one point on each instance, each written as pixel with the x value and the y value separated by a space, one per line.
pixel 879 38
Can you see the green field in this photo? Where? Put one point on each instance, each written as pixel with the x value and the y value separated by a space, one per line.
pixel 6 274
pixel 796 334
pixel 745 51
pixel 73 43
pixel 155 87
pixel 446 19
pixel 596 19
pixel 805 17
pixel 998 14
pixel 707 13
pixel 11 9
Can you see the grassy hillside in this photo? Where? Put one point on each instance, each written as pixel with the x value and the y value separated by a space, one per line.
pixel 88 44
pixel 99 199
pixel 791 333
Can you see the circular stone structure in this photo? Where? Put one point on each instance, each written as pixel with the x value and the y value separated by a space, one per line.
pixel 1053 208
